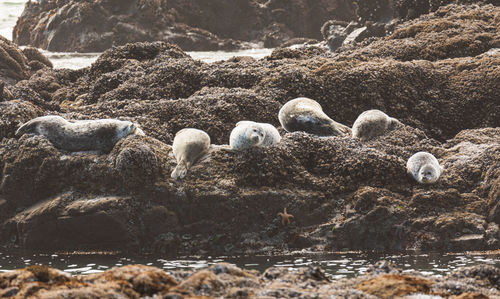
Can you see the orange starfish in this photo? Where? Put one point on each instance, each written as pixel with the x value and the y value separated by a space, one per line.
pixel 285 217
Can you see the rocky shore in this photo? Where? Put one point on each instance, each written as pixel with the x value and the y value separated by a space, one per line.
pixel 438 74
pixel 224 280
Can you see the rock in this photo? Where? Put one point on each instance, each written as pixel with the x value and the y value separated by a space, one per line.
pixel 14 114
pixel 17 64
pixel 440 34
pixel 37 60
pixel 13 63
pixel 193 25
pixel 408 9
pixel 226 281
pixel 391 285
pixel 335 32
pixel 485 275
pixel 343 194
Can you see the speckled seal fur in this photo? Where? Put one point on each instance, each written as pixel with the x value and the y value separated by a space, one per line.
pixel 189 146
pixel 372 123
pixel 248 134
pixel 424 168
pixel 80 135
pixel 303 114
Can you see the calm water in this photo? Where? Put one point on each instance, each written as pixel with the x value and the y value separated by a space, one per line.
pixel 10 10
pixel 336 265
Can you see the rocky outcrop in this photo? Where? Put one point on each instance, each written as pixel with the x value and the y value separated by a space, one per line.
pixel 343 194
pixel 228 281
pixel 192 25
pixel 446 33
pixel 17 64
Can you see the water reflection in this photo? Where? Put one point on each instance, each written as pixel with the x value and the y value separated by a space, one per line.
pixel 335 265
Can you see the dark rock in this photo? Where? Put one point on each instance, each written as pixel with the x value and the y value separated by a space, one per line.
pixel 14 114
pixel 13 63
pixel 33 54
pixel 192 25
pixel 17 64
pixel 335 32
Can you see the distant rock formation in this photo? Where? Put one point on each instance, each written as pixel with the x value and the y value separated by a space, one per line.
pixel 94 26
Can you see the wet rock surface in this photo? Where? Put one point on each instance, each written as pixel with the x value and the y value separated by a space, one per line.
pixel 193 25
pixel 343 194
pixel 228 281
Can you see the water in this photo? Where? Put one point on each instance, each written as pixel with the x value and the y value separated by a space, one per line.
pixel 80 60
pixel 10 10
pixel 335 265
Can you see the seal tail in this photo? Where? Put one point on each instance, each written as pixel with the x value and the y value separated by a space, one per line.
pixel 25 128
pixel 180 171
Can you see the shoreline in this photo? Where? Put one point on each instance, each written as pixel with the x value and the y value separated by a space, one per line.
pixel 382 280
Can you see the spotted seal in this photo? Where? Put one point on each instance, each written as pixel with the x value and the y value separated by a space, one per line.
pixel 188 147
pixel 424 168
pixel 80 135
pixel 248 134
pixel 372 123
pixel 304 114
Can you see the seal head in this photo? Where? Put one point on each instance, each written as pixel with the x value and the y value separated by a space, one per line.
pixel 306 115
pixel 249 134
pixel 424 168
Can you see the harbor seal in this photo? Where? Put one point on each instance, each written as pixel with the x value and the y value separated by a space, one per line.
pixel 424 168
pixel 303 114
pixel 372 123
pixel 80 135
pixel 188 147
pixel 248 134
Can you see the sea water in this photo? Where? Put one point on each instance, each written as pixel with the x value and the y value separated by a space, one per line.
pixel 9 12
pixel 338 265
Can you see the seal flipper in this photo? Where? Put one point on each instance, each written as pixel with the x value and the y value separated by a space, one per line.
pixel 179 171
pixel 28 127
pixel 342 129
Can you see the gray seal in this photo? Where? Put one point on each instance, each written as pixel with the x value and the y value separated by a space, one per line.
pixel 303 114
pixel 424 168
pixel 247 134
pixel 372 123
pixel 188 147
pixel 80 135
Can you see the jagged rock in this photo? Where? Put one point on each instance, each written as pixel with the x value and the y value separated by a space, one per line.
pixel 17 64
